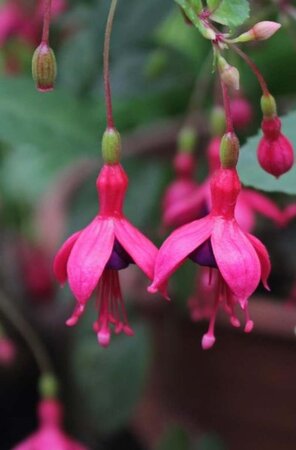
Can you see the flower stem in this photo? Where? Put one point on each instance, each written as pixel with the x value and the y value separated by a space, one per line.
pixel 253 67
pixel 46 21
pixel 107 87
pixel 28 334
pixel 226 103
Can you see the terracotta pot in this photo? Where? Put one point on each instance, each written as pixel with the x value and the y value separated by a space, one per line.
pixel 244 389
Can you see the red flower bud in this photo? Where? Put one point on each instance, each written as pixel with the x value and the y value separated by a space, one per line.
pixel 241 111
pixel 275 151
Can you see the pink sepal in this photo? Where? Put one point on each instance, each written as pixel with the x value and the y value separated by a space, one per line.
pixel 89 257
pixel 61 258
pixel 236 258
pixel 177 247
pixel 263 258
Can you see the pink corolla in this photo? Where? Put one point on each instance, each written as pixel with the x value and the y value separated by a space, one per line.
pixel 7 351
pixel 217 241
pixel 91 259
pixel 50 435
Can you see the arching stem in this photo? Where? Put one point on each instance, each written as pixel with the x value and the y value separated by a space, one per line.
pixel 46 21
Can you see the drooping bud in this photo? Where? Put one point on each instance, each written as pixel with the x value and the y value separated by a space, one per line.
pixel 259 32
pixel 111 146
pixel 187 139
pixel 275 151
pixel 229 74
pixel 229 151
pixel 241 111
pixel 217 121
pixel 48 386
pixel 268 106
pixel 44 68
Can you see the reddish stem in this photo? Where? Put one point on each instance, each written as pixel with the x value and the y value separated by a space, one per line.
pixel 107 87
pixel 46 21
pixel 226 103
pixel 253 67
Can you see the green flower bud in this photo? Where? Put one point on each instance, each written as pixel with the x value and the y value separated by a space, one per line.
pixel 268 106
pixel 229 151
pixel 111 146
pixel 187 139
pixel 48 386
pixel 44 68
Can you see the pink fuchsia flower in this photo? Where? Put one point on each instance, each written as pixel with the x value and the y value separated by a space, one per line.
pixel 178 191
pixel 91 259
pixel 290 212
pixel 217 241
pixel 241 111
pixel 7 351
pixel 50 435
pixel 275 151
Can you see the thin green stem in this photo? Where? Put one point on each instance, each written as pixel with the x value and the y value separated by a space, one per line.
pixel 226 103
pixel 106 57
pixel 28 334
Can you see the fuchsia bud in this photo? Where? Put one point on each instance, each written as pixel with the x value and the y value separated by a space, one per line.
pixel 241 111
pixel 275 151
pixel 229 74
pixel 44 68
pixel 259 32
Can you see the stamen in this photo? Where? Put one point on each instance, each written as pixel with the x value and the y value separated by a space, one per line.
pixel 249 323
pixel 111 308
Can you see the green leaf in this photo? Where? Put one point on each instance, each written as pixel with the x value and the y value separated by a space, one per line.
pixel 250 171
pixel 176 438
pixel 110 381
pixel 229 12
pixel 191 10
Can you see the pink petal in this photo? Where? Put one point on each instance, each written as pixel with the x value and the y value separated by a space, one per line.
pixel 61 258
pixel 177 247
pixel 89 257
pixel 263 205
pixel 141 249
pixel 263 258
pixel 236 258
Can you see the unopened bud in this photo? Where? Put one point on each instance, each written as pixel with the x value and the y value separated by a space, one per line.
pixel 260 32
pixel 111 146
pixel 229 74
pixel 229 151
pixel 187 139
pixel 217 121
pixel 268 106
pixel 44 68
pixel 48 386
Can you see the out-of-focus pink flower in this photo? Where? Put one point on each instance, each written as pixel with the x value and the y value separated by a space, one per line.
pixel 36 271
pixel 275 151
pixel 7 351
pixel 241 111
pixel 217 241
pixel 19 20
pixel 50 435
pixel 91 259
pixel 290 212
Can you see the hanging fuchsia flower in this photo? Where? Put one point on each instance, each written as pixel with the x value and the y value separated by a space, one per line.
pixel 275 151
pixel 91 259
pixel 218 241
pixel 241 111
pixel 50 435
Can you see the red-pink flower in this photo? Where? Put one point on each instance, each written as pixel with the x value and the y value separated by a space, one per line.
pixel 217 241
pixel 241 111
pixel 275 152
pixel 182 188
pixel 90 259
pixel 7 351
pixel 50 435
